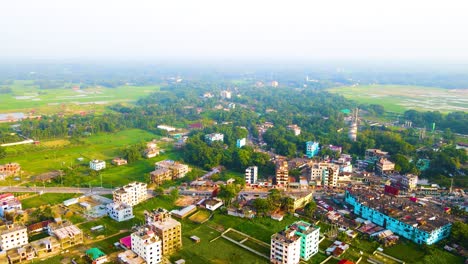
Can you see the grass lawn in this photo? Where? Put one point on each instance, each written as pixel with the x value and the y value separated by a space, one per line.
pixel 413 253
pixel 27 97
pixel 110 226
pixel 257 247
pixel 218 251
pixel 317 258
pixel 399 98
pixel 200 216
pixel 47 199
pixel 234 235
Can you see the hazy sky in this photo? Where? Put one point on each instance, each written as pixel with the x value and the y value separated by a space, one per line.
pixel 236 29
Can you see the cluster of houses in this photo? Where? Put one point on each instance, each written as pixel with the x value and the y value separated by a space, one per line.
pixel 168 170
pixel 9 169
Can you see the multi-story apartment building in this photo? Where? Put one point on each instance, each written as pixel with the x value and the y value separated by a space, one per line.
pixel 178 170
pixel 9 203
pixel 167 228
pixel 159 176
pixel 147 245
pixel 13 236
pixel 282 173
pixel 324 174
pixel 241 142
pixel 251 175
pixel 131 194
pixel 423 223
pixel 226 94
pixel 312 149
pixel 67 235
pixel 120 212
pixel 295 129
pixel 375 154
pixel 309 236
pixel 410 181
pixel 97 165
pixel 285 247
pixel 384 166
pixel 210 138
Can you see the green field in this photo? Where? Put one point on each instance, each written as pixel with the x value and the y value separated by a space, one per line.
pixel 47 199
pixel 28 97
pixel 399 98
pixel 36 159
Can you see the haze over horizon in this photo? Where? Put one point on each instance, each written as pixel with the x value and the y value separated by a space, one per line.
pixel 236 30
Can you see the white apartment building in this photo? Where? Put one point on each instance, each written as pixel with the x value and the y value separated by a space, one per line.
pixel 210 138
pixel 147 245
pixel 251 175
pixel 120 212
pixel 310 236
pixel 226 94
pixel 410 181
pixel 131 194
pixel 9 203
pixel 13 236
pixel 97 165
pixel 285 248
pixel 324 173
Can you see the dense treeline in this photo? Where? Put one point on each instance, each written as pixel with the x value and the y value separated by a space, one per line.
pixel 455 121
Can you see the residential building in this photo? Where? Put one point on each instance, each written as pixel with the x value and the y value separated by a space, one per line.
pixel 423 223
pixel 119 161
pixel 20 254
pixel 375 154
pixel 97 165
pixel 300 200
pixel 130 257
pixel 67 235
pixel 251 175
pixel 384 166
pixel 282 173
pixel 9 204
pixel 10 169
pixel 295 129
pixel 120 211
pixel 152 150
pixel 167 228
pixel 274 84
pixel 226 94
pixel 13 236
pixel 241 142
pixel 410 181
pixel 96 256
pixel 178 170
pixel 131 194
pixel 312 149
pixel 324 174
pixel 212 204
pixel 309 237
pixel 210 138
pixel 159 176
pixel 147 245
pixel 285 247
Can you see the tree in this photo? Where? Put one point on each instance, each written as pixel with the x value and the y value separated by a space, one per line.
pixel 459 233
pixel 261 206
pixel 3 153
pixel 227 193
pixel 310 208
pixel 174 194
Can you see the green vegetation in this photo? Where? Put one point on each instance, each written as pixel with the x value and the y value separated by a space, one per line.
pixel 25 96
pixel 47 199
pixel 398 98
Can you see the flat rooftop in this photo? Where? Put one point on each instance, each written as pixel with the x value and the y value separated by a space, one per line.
pixel 419 213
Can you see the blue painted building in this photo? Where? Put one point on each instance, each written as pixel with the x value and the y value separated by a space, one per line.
pixel 241 142
pixel 312 148
pixel 416 221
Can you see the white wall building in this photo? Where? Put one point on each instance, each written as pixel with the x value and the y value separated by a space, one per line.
pixel 147 245
pixel 226 94
pixel 131 194
pixel 120 212
pixel 324 173
pixel 410 181
pixel 9 203
pixel 251 175
pixel 13 236
pixel 210 138
pixel 285 248
pixel 167 128
pixel 97 165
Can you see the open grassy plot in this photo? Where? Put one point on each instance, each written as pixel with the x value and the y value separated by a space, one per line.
pixel 257 246
pixel 47 199
pixel 27 97
pixel 200 216
pixel 235 235
pixel 111 226
pixel 317 258
pixel 41 159
pixel 218 251
pixel 159 201
pixel 399 98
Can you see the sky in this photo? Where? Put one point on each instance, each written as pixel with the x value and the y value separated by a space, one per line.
pixel 235 30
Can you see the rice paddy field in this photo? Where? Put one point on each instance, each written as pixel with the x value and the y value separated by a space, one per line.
pixel 399 98
pixel 29 98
